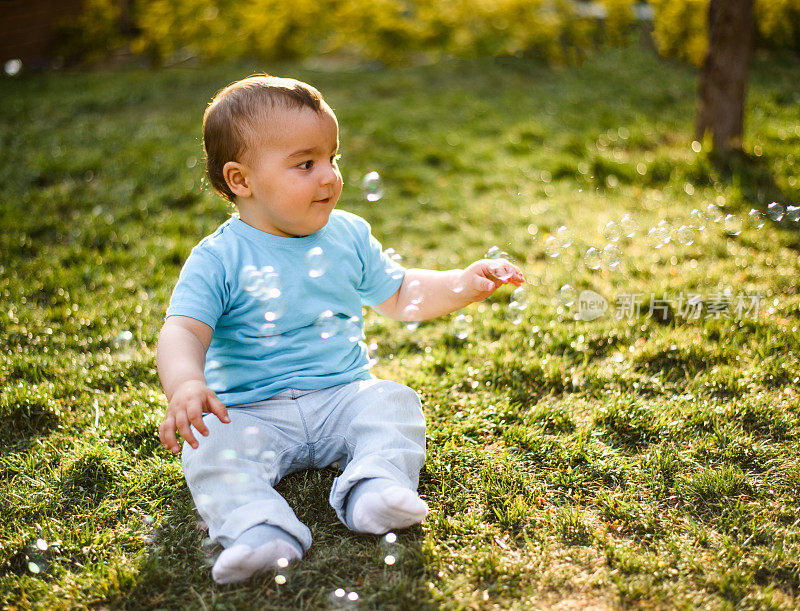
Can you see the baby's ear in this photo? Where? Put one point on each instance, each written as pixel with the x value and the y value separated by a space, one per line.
pixel 234 174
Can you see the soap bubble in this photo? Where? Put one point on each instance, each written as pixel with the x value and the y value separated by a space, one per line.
pixel 352 329
pixel 228 454
pixel 390 538
pixel 395 272
pixel 268 334
pixel 12 67
pixel 714 214
pixel 775 211
pixel 551 247
pixel 567 295
pixel 659 235
pixel 459 285
pixel 733 224
pixel 612 231
pixel 38 556
pixel 517 305
pixel 793 214
pixel 327 324
pixel 252 441
pixel 495 252
pixel 461 326
pixel 269 286
pixel 270 296
pixel 520 298
pixel 250 278
pixel 342 599
pixel 280 579
pixel 316 262
pixel 629 226
pixel 697 219
pixel 372 186
pixel 414 292
pixel 122 340
pixel 411 314
pixel 265 285
pixel 274 309
pixel 685 235
pixel 389 559
pixel 593 258
pixel 756 218
pixel 501 273
pixel 393 255
pixel 611 255
pixel 564 237
pixel 372 351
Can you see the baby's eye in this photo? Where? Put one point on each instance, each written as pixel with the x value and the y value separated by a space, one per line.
pixel 306 165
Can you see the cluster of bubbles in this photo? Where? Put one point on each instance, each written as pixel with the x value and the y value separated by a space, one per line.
pixel 340 598
pixel 662 233
pixel 609 256
pixel 265 283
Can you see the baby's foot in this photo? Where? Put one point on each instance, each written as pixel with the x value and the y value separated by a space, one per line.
pixel 239 562
pixel 393 508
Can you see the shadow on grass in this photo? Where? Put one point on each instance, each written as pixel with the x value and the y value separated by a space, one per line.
pixel 177 566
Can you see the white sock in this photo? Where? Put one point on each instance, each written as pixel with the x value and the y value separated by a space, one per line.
pixel 239 562
pixel 393 508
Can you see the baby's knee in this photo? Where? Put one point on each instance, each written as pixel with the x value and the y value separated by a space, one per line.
pixel 400 398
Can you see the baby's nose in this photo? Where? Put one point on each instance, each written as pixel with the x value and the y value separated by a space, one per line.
pixel 329 176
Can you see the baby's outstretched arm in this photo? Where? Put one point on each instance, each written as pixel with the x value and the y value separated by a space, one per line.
pixel 182 346
pixel 427 294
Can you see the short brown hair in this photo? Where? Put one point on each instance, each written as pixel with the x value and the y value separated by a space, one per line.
pixel 236 113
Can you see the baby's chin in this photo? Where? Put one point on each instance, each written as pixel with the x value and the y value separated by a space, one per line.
pixel 323 215
pixel 313 227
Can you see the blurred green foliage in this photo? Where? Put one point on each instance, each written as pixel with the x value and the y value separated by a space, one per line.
pixel 389 31
pixel 680 26
pixel 394 31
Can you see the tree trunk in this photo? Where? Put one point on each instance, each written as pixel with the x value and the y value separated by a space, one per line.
pixel 723 78
pixel 125 18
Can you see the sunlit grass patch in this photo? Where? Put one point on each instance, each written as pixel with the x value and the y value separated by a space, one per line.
pixel 618 462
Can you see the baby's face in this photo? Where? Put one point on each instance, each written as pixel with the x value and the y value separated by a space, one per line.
pixel 293 174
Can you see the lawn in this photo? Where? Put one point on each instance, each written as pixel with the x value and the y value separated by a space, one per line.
pixel 633 460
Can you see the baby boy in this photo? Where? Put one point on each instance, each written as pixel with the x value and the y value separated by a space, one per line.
pixel 262 351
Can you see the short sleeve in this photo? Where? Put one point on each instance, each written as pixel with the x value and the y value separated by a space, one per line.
pixel 200 290
pixel 382 276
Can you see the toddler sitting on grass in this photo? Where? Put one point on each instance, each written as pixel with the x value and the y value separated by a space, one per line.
pixel 262 350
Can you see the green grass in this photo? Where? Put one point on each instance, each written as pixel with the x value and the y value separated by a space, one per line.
pixel 617 463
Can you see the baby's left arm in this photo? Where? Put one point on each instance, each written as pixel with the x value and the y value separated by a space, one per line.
pixel 427 293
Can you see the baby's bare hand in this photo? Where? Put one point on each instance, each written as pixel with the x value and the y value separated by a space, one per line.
pixel 189 402
pixel 484 277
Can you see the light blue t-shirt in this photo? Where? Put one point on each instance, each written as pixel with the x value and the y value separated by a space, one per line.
pixel 286 312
